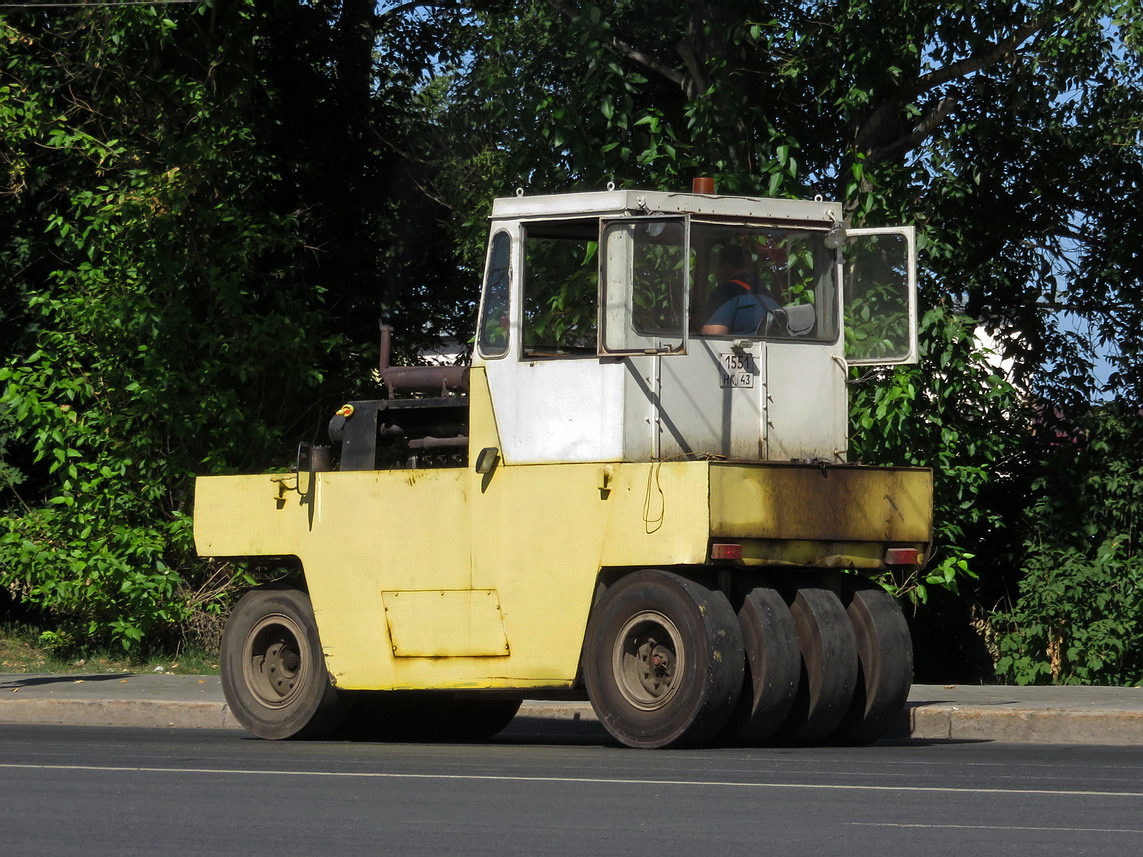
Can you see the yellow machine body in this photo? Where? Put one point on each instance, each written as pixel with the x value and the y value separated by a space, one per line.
pixel 447 578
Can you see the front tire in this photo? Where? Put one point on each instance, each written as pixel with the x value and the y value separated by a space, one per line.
pixel 273 669
pixel 663 661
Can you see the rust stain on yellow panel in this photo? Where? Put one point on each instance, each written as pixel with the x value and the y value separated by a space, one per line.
pixel 832 503
pixel 818 554
pixel 462 623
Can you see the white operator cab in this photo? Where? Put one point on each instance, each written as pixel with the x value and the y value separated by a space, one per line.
pixel 594 307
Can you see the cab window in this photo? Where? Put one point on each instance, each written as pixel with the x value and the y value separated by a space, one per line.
pixel 561 287
pixel 761 281
pixel 495 314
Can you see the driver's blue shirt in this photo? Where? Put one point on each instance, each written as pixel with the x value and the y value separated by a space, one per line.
pixel 739 307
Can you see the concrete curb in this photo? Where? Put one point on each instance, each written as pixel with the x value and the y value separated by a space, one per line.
pixel 149 713
pixel 158 713
pixel 1025 726
pixel 1069 715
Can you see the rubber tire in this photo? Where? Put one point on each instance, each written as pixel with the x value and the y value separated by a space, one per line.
pixel 885 658
pixel 273 667
pixel 700 696
pixel 773 668
pixel 413 716
pixel 828 669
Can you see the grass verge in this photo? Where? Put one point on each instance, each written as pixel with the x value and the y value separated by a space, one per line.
pixel 21 651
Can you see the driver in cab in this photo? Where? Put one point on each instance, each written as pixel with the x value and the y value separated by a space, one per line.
pixel 739 304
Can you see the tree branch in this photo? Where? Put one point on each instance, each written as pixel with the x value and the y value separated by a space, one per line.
pixel 885 117
pixel 698 82
pixel 379 17
pixel 991 55
pixel 921 131
pixel 623 48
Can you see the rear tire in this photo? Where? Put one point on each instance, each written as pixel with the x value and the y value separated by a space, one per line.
pixel 829 666
pixel 273 668
pixel 773 665
pixel 663 661
pixel 885 656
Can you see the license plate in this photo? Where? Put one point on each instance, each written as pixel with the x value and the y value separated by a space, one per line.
pixel 738 370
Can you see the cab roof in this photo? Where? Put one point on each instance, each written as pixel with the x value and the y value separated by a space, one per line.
pixel 629 203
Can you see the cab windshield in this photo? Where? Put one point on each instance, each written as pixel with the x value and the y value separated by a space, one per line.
pixel 761 281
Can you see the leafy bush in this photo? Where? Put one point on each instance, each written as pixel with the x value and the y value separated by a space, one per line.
pixel 163 329
pixel 1079 614
pixel 952 412
pixel 9 475
pixel 1078 620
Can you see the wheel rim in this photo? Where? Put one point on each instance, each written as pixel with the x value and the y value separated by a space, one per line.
pixel 273 665
pixel 648 660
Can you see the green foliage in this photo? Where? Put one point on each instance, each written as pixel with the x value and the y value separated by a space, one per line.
pixel 164 335
pixel 9 475
pixel 953 412
pixel 559 300
pixel 1090 485
pixel 1008 133
pixel 657 285
pixel 1079 614
pixel 205 206
pixel 1078 620
pixel 877 321
pixel 171 307
pixel 24 649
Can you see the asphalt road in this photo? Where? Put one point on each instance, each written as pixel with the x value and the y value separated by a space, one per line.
pixel 113 791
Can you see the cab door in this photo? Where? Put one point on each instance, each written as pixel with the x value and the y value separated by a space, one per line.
pixel 879 270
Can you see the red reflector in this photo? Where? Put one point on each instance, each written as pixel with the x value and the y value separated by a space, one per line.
pixel 902 556
pixel 726 551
